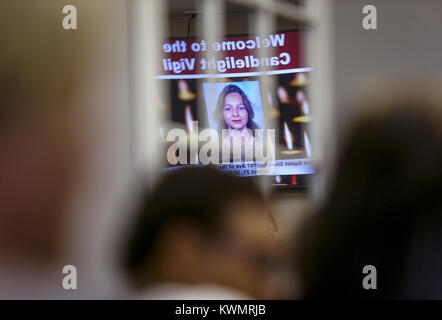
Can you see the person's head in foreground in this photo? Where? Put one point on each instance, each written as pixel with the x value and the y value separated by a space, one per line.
pixel 38 141
pixel 43 114
pixel 234 110
pixel 200 234
pixel 384 210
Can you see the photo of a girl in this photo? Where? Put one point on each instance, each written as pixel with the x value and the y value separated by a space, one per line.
pixel 234 112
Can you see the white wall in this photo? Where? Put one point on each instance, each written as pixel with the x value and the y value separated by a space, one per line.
pixel 407 45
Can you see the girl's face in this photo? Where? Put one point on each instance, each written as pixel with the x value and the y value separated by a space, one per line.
pixel 235 112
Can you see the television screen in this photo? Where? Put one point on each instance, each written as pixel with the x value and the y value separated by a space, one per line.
pixel 244 112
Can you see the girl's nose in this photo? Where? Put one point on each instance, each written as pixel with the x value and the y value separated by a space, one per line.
pixel 235 111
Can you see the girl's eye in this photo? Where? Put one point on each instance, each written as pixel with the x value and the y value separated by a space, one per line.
pixel 227 108
pixel 242 107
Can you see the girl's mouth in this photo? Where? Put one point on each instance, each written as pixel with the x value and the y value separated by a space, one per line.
pixel 236 121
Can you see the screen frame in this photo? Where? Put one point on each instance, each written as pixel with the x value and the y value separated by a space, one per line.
pixel 276 189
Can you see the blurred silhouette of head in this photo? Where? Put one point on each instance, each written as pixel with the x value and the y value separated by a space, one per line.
pixel 200 225
pixel 384 209
pixel 51 133
pixel 40 67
